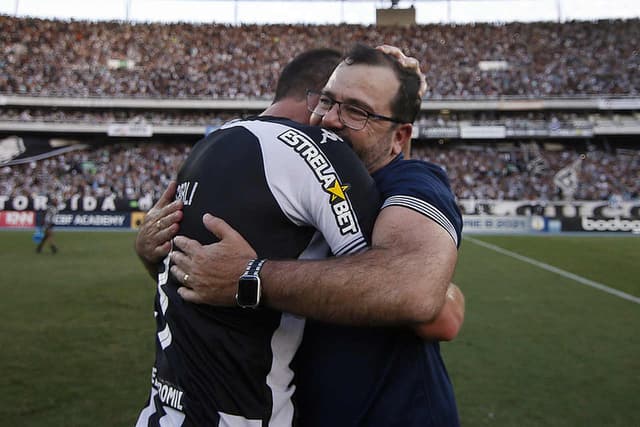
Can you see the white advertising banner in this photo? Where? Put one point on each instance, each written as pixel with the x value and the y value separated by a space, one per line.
pixel 501 224
pixel 483 132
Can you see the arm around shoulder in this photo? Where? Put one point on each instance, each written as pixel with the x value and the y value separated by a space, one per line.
pixel 402 279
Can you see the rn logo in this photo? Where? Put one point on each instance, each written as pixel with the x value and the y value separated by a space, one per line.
pixel 19 219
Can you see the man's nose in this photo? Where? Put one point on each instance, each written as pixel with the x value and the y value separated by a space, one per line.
pixel 331 119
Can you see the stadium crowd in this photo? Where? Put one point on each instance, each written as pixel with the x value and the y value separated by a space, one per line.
pixel 93 116
pixel 76 58
pixel 527 172
pixel 480 171
pixel 540 120
pixel 127 171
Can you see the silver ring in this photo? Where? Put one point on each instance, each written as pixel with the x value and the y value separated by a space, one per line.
pixel 158 225
pixel 185 278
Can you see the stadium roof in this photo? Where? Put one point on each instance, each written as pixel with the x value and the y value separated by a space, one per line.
pixel 322 11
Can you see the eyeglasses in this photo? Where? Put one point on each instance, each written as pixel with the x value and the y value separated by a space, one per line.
pixel 351 116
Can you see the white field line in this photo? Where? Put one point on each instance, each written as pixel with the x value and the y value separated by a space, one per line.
pixel 556 270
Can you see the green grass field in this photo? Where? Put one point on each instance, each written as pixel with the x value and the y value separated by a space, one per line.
pixel 537 348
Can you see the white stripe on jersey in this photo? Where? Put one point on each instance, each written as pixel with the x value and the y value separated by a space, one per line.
pixel 352 248
pixel 165 337
pixel 425 208
pixel 146 413
pixel 309 203
pixel 297 189
pixel 284 344
pixel 228 420
pixel 172 417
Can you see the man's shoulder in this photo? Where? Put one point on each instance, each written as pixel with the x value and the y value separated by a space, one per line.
pixel 413 173
pixel 264 122
pixel 423 187
pixel 416 178
pixel 313 144
pixel 421 166
pixel 268 126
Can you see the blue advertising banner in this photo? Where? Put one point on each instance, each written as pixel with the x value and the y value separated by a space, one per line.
pixel 93 219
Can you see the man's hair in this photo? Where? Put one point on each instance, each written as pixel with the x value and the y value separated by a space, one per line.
pixel 405 105
pixel 309 70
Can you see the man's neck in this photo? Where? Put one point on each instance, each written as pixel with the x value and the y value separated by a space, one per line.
pixel 382 164
pixel 290 109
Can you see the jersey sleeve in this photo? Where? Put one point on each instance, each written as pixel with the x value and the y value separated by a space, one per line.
pixel 318 181
pixel 424 188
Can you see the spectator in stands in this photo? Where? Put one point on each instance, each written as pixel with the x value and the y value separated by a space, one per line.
pixel 477 171
pixel 220 61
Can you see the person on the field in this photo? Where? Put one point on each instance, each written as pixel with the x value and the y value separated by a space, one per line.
pixel 48 222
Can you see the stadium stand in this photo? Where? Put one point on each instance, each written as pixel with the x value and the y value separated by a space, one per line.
pixel 526 172
pixel 477 171
pixel 519 120
pixel 127 171
pixel 169 117
pixel 45 57
pixel 559 91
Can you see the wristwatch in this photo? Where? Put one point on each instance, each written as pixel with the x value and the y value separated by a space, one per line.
pixel 249 288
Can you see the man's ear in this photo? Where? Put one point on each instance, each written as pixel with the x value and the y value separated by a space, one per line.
pixel 406 150
pixel 402 139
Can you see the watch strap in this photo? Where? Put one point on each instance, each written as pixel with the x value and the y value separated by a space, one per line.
pixel 254 266
pixel 249 288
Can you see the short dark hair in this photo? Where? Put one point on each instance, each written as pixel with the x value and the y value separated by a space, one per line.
pixel 309 70
pixel 405 106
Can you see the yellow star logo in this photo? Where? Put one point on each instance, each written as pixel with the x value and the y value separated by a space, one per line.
pixel 337 190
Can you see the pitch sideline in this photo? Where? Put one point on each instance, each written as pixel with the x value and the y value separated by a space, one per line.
pixel 556 270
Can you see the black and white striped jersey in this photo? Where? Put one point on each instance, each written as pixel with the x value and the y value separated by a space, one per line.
pixel 292 191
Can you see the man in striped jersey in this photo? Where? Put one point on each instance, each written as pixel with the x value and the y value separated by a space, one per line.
pixel 295 191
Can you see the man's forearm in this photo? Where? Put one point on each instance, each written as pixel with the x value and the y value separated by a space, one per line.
pixel 402 280
pixel 372 288
pixel 447 324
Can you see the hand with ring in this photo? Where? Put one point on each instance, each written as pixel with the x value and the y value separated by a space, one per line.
pixel 160 225
pixel 213 269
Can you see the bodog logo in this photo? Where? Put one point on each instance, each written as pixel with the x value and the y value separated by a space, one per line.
pixel 615 224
